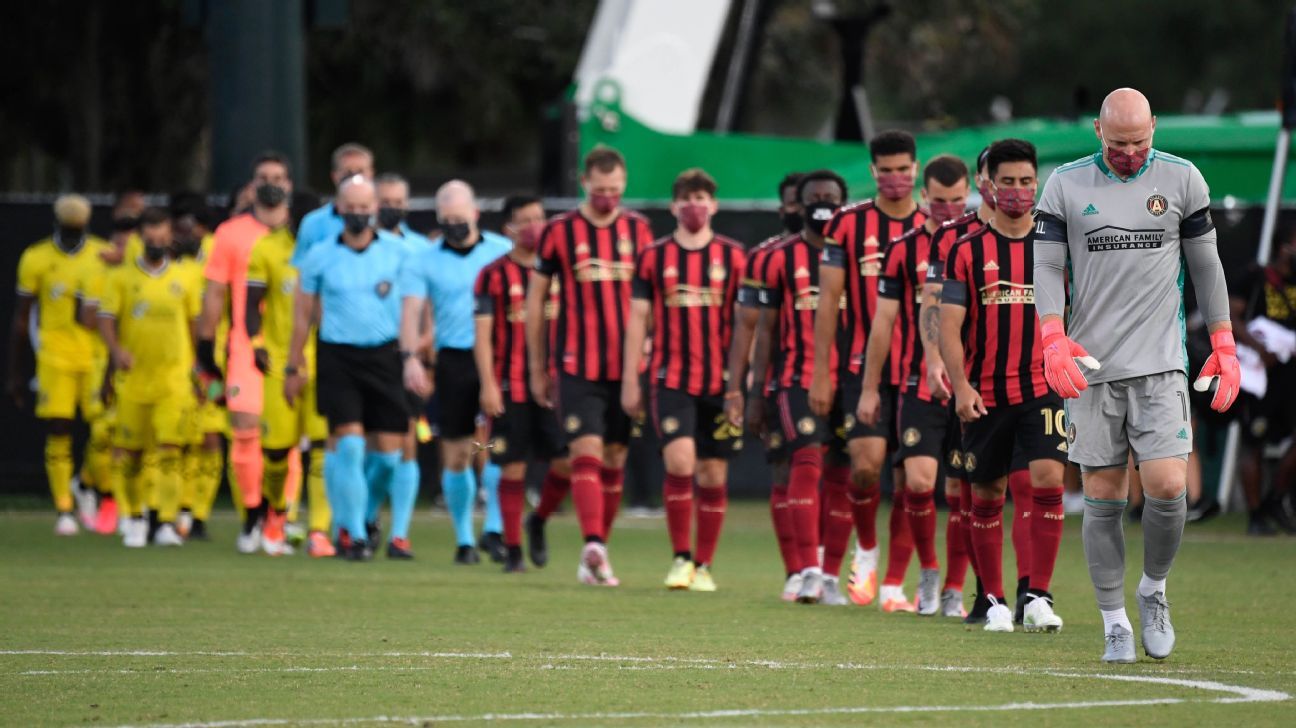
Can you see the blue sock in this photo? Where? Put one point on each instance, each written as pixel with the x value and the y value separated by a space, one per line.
pixel 490 486
pixel 404 492
pixel 460 491
pixel 376 475
pixel 352 488
pixel 331 491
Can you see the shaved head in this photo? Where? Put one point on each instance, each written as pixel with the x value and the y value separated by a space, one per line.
pixel 1125 121
pixel 456 202
pixel 357 194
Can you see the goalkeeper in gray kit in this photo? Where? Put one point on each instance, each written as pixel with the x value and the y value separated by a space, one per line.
pixel 1124 225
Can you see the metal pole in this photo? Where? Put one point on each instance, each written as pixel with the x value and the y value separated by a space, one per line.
pixel 736 76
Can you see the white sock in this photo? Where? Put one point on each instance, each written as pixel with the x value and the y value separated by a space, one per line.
pixel 1147 587
pixel 1115 617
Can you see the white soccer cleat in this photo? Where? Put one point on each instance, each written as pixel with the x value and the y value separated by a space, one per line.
pixel 863 583
pixel 66 525
pixel 594 568
pixel 929 600
pixel 811 585
pixel 184 523
pixel 1039 616
pixel 999 618
pixel 892 599
pixel 87 503
pixel 952 604
pixel 248 543
pixel 792 587
pixel 136 535
pixel 831 595
pixel 123 525
pixel 166 536
pixel 277 547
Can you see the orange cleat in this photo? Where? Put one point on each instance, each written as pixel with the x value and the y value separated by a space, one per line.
pixel 106 519
pixel 318 546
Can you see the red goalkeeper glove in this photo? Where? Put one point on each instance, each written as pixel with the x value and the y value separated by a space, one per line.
pixel 1223 365
pixel 1060 355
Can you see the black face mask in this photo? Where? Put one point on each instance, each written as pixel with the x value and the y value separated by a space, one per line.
pixel 70 237
pixel 455 233
pixel 792 222
pixel 268 195
pixel 817 215
pixel 125 224
pixel 153 253
pixel 390 217
pixel 356 222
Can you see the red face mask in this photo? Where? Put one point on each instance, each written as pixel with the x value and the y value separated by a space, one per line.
pixel 1127 164
pixel 1014 201
pixel 604 204
pixel 693 216
pixel 529 236
pixel 943 212
pixel 987 194
pixel 895 186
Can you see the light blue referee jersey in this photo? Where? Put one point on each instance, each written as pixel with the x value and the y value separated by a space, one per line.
pixel 445 275
pixel 359 292
pixel 322 223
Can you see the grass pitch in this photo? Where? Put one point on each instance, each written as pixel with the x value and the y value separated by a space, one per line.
pixel 96 635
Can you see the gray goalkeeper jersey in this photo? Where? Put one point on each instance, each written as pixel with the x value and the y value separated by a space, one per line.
pixel 1123 244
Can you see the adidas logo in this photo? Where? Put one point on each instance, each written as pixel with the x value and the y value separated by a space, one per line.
pixel 990 266
pixel 1090 210
pixel 1183 434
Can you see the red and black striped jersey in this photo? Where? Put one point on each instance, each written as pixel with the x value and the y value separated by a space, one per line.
pixel 792 289
pixel 993 276
pixel 857 239
pixel 692 293
pixel 948 234
pixel 500 293
pixel 903 274
pixel 594 266
pixel 749 291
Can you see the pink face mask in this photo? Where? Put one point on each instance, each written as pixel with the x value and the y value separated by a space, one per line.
pixel 987 193
pixel 1014 201
pixel 1127 164
pixel 529 236
pixel 943 212
pixel 603 203
pixel 895 186
pixel 693 216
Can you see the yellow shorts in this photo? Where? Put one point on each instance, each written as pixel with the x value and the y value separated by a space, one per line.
pixel 283 426
pixel 210 417
pixel 61 392
pixel 142 425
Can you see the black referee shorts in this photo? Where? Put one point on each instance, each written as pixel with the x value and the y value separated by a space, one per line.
pixel 458 393
pixel 361 384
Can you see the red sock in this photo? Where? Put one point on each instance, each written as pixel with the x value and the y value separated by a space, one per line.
pixel 837 530
pixel 784 530
pixel 712 502
pixel 587 493
pixel 956 555
pixel 803 501
pixel 552 492
pixel 823 512
pixel 677 493
pixel 987 539
pixel 864 508
pixel 900 546
pixel 1046 535
pixel 248 466
pixel 920 508
pixel 965 524
pixel 1019 485
pixel 612 480
pixel 512 500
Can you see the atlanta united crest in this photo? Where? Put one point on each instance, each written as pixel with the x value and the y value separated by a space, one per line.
pixel 1157 205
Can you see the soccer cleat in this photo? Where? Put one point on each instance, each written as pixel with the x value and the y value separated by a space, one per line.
pixel 466 556
pixel 863 584
pixel 1120 646
pixel 166 535
pixel 999 618
pixel 595 569
pixel 1019 604
pixel 604 572
pixel 537 550
pixel 792 587
pixel 372 531
pixel 681 574
pixel 106 518
pixel 272 535
pixel 832 595
pixel 294 534
pixel 1039 616
pixel 198 532
pixel 358 551
pixel 1154 620
pixel 891 599
pixel 399 549
pixel 184 523
pixel 318 546
pixel 493 544
pixel 702 581
pixel 929 600
pixel 811 586
pixel 513 563
pixel 951 604
pixel 66 525
pixel 248 543
pixel 980 606
pixel 87 504
pixel 136 535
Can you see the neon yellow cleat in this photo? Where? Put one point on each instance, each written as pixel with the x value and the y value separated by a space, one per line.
pixel 702 581
pixel 681 574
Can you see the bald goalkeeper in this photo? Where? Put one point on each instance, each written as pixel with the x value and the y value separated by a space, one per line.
pixel 1128 219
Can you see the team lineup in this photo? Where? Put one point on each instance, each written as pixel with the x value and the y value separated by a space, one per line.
pixel 989 353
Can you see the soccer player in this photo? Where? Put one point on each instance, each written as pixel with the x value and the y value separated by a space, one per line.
pixel 226 272
pixel 442 275
pixel 791 289
pixel 990 341
pixel 923 416
pixel 325 222
pixel 747 316
pixel 591 251
pixel 686 285
pixel 520 429
pixel 147 316
pixel 352 287
pixel 857 240
pixel 49 274
pixel 1124 222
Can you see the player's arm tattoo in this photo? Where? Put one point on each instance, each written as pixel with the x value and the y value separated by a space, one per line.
pixel 931 325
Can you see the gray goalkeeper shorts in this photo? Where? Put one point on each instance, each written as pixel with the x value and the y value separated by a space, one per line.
pixel 1148 414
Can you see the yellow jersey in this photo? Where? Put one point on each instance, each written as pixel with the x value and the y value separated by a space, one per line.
pixel 154 311
pixel 270 267
pixel 53 277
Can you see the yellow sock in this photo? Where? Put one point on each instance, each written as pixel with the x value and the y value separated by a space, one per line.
pixel 273 479
pixel 208 479
pixel 148 479
pixel 126 485
pixel 98 457
pixel 166 484
pixel 190 463
pixel 320 513
pixel 58 468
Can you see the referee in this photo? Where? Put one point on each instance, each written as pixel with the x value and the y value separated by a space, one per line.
pixel 1126 220
pixel 350 284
